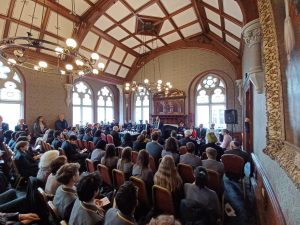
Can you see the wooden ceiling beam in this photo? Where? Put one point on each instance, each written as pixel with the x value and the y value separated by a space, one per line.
pixel 113 41
pixel 44 23
pixel 171 19
pixel 199 16
pixel 55 7
pixel 9 15
pixel 221 13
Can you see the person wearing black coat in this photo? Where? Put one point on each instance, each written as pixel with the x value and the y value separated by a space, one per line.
pixel 26 164
pixel 116 137
pixel 61 124
pixel 140 143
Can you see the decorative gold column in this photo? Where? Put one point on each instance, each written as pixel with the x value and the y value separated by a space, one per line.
pixel 284 153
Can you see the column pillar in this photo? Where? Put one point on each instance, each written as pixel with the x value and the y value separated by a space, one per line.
pixel 121 104
pixel 251 33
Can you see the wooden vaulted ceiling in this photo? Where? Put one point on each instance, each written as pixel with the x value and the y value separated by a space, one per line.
pixel 110 27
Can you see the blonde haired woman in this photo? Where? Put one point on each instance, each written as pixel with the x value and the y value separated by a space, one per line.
pixel 168 177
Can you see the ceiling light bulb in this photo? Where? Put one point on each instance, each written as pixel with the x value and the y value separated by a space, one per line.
pixel 170 86
pixel 71 43
pixel 127 88
pixel 159 81
pixel 127 84
pixel 81 73
pixel 95 71
pixel 69 67
pixel 11 61
pixel 79 62
pixel 59 50
pixel 63 72
pixel 168 83
pixel 36 67
pixel 146 81
pixel 95 56
pixel 43 64
pixel 101 66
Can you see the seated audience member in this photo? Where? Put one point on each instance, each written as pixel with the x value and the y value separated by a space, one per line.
pixel 72 131
pixel 154 148
pixel 12 140
pixel 72 152
pixel 115 134
pixel 99 151
pixel 18 219
pixel 127 141
pixel 61 124
pixel 171 148
pixel 201 133
pixel 7 136
pixel 87 209
pixel 58 139
pixel 48 136
pixel 39 127
pixel 125 164
pixel 200 193
pixel 235 147
pixel 190 158
pixel 226 139
pixel 21 126
pixel 44 164
pixel 187 138
pixel 144 132
pixel 173 134
pixel 81 133
pixel 3 126
pixel 88 135
pixel 164 220
pixel 126 202
pixel 139 144
pixel 65 195
pixel 52 184
pixel 168 177
pixel 181 128
pixel 26 164
pixel 110 159
pixel 141 168
pixel 161 140
pixel 97 136
pixel 96 127
pixel 212 140
pixel 212 164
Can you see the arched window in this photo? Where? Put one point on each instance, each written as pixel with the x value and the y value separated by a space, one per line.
pixel 210 101
pixel 82 104
pixel 142 105
pixel 105 110
pixel 11 96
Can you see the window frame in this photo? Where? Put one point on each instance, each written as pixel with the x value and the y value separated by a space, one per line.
pixel 210 92
pixel 105 107
pixel 142 107
pixel 82 105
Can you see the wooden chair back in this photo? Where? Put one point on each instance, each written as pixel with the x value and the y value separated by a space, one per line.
pixel 118 177
pixel 152 164
pixel 44 146
pixel 104 173
pixel 79 144
pixel 186 172
pixel 89 165
pixel 91 146
pixel 54 212
pixel 119 151
pixel 134 156
pixel 142 191
pixel 42 198
pixel 19 177
pixel 214 182
pixel 103 137
pixel 85 144
pixel 233 165
pixel 110 139
pixel 182 150
pixel 162 200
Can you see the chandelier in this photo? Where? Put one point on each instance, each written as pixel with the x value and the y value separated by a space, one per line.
pixel 145 83
pixel 19 51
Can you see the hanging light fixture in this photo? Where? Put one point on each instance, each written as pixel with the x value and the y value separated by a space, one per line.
pixel 16 51
pixel 146 83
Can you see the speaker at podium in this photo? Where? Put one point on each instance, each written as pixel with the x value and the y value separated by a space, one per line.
pixel 231 116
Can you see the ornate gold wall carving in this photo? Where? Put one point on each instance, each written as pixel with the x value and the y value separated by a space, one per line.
pixel 277 148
